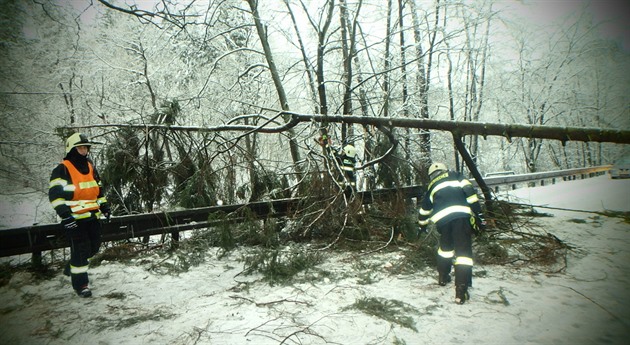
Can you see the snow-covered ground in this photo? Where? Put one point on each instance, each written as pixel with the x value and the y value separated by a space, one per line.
pixel 588 303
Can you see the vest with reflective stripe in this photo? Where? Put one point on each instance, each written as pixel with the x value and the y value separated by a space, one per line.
pixel 86 190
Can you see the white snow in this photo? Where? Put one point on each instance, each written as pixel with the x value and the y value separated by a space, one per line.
pixel 212 304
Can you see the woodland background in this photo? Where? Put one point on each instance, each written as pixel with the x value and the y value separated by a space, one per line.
pixel 110 67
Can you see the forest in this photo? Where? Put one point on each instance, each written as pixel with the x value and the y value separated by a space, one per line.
pixel 217 106
pixel 189 100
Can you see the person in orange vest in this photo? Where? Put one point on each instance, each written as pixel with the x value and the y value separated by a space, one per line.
pixel 77 197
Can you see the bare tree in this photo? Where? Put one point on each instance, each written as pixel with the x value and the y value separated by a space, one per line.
pixel 282 98
pixel 423 76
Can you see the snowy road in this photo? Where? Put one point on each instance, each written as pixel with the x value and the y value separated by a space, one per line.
pixel 595 194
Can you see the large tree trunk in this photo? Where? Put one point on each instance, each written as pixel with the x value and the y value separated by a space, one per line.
pixel 282 97
pixel 508 131
pixel 307 66
pixel 348 42
pixel 423 78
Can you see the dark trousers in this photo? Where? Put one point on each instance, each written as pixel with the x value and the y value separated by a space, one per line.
pixel 84 244
pixel 456 236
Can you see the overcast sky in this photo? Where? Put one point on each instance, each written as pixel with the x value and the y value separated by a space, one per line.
pixel 611 15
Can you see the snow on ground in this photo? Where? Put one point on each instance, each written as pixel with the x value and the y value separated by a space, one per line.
pixel 214 304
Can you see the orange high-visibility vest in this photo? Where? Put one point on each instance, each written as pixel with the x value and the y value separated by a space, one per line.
pixel 86 191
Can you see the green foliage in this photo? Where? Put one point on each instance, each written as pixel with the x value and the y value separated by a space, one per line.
pixel 196 191
pixel 618 214
pixel 169 112
pixel 6 272
pixel 399 341
pixel 278 266
pixel 407 226
pixel 195 180
pixel 122 251
pixel 393 311
pixel 221 235
pixel 190 252
pixel 267 183
pixel 118 320
pixel 489 252
pixel 122 157
pixel 134 176
pixel 231 230
pixel 366 272
pixel 421 256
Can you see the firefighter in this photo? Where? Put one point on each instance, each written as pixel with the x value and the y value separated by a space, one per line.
pixel 346 157
pixel 77 197
pixel 452 204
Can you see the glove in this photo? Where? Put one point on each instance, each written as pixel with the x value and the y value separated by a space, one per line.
pixel 423 229
pixel 480 221
pixel 69 223
pixel 324 140
pixel 106 212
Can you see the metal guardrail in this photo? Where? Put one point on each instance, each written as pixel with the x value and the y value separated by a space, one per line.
pixel 38 238
pixel 541 177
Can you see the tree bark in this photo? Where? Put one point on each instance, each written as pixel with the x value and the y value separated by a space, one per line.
pixel 282 97
pixel 484 129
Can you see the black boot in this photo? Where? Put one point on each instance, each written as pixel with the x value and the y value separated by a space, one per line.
pixel 461 294
pixel 444 270
pixel 443 280
pixel 463 279
pixel 84 292
pixel 463 275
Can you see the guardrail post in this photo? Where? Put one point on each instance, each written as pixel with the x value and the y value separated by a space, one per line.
pixel 36 259
pixel 175 239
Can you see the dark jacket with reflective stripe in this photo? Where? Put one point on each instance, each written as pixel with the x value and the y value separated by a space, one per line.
pixel 449 196
pixel 347 165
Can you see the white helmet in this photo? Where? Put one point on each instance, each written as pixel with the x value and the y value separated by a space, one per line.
pixel 349 150
pixel 437 167
pixel 77 139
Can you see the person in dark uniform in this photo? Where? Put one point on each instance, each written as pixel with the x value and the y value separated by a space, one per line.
pixel 77 197
pixel 453 205
pixel 346 158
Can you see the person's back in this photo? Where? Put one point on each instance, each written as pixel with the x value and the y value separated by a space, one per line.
pixel 451 203
pixel 449 197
